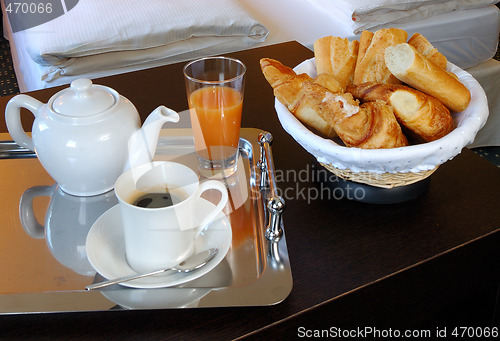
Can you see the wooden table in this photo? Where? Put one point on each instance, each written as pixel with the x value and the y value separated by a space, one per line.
pixel 354 264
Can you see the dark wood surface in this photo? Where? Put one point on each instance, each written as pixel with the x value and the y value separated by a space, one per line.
pixel 353 264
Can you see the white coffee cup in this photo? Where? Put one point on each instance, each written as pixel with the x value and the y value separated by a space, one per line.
pixel 161 237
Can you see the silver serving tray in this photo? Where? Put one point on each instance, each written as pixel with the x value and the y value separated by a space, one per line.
pixel 46 269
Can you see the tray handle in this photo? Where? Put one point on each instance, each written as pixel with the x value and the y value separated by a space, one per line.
pixel 275 203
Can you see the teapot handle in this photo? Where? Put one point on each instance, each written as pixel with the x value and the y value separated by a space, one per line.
pixel 26 213
pixel 13 118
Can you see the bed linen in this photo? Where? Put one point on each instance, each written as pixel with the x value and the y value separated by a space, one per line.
pixel 488 75
pixel 468 38
pixel 373 14
pixel 458 35
pixel 95 26
pixel 99 35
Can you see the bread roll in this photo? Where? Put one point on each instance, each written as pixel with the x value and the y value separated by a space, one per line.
pixel 426 117
pixel 337 57
pixel 298 93
pixel 371 125
pixel 412 68
pixel 364 42
pixel 422 45
pixel 370 65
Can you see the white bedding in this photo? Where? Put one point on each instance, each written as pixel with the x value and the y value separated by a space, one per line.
pixel 457 35
pixel 161 55
pixel 101 35
pixel 467 38
pixel 373 14
pixel 96 26
pixel 488 75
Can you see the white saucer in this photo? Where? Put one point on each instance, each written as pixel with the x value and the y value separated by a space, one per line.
pixel 106 249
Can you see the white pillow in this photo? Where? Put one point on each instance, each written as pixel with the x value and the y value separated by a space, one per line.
pixel 99 26
pixel 370 14
pixel 122 61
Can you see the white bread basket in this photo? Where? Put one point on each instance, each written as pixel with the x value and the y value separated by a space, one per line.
pixel 388 168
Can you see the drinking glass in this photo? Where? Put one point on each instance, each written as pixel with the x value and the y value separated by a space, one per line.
pixel 214 87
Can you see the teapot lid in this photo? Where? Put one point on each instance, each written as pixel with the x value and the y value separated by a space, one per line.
pixel 83 99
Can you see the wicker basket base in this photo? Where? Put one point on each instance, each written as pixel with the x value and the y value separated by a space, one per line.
pixel 383 180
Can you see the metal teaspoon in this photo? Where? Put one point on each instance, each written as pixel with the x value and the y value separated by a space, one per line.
pixel 193 262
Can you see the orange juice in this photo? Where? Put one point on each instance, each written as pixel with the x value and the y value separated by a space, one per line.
pixel 216 119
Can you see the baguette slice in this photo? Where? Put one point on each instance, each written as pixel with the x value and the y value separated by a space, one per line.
pixel 370 65
pixel 364 42
pixel 426 117
pixel 422 45
pixel 412 68
pixel 337 57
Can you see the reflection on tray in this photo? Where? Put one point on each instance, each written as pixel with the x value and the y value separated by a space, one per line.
pixel 184 296
pixel 50 259
pixel 67 221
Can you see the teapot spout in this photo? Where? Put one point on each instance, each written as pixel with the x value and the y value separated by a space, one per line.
pixel 142 144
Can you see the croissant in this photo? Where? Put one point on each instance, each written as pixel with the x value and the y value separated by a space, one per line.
pixel 426 117
pixel 330 82
pixel 287 92
pixel 299 93
pixel 370 125
pixel 275 72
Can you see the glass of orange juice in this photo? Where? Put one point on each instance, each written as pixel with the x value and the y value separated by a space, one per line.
pixel 214 88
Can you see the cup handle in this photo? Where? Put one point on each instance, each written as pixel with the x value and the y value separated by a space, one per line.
pixel 212 184
pixel 26 213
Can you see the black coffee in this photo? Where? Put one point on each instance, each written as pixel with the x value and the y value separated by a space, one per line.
pixel 157 196
pixel 155 200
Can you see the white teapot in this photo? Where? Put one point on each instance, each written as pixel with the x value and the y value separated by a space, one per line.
pixel 87 135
